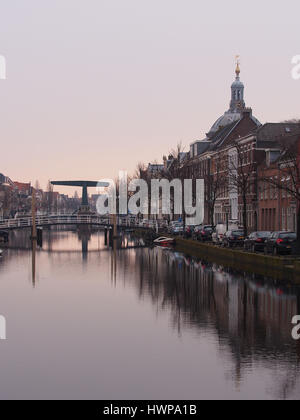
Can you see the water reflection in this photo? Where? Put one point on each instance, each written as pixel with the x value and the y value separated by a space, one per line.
pixel 34 246
pixel 250 314
pixel 237 327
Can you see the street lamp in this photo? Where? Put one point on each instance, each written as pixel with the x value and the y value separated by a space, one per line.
pixel 227 211
pixel 209 198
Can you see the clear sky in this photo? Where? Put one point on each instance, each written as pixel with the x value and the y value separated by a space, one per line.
pixel 95 86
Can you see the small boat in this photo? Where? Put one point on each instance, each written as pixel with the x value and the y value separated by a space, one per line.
pixel 1 252
pixel 164 241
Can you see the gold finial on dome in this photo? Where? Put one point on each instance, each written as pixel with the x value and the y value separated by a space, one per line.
pixel 237 70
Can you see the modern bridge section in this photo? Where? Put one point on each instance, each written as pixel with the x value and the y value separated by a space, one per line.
pixel 84 185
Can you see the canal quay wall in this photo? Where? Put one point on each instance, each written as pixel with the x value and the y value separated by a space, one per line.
pixel 283 268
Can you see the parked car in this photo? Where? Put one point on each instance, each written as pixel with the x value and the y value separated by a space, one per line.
pixel 172 225
pixel 197 230
pixel 178 229
pixel 233 238
pixel 205 233
pixel 220 230
pixel 189 230
pixel 256 241
pixel 280 243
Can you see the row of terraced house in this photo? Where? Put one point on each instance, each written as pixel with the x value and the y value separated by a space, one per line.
pixel 242 163
pixel 16 199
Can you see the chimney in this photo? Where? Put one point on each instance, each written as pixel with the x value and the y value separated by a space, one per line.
pixel 247 113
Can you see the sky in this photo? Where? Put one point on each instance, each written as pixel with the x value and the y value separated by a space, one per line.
pixel 96 86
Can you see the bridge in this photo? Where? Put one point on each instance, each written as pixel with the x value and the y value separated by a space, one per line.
pixel 77 219
pixel 84 208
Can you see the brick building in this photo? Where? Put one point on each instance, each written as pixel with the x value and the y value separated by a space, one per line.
pixel 210 158
pixel 238 148
pixel 277 200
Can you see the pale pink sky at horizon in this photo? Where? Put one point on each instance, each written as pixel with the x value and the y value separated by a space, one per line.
pixel 95 86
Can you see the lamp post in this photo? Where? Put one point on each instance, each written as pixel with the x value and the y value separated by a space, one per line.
pixel 209 195
pixel 227 211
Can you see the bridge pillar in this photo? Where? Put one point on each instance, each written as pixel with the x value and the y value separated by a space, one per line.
pixel 84 208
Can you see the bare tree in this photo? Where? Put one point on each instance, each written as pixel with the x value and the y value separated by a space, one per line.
pixel 37 185
pixel 176 170
pixel 215 184
pixel 49 197
pixel 288 178
pixel 147 173
pixel 241 179
pixel 6 201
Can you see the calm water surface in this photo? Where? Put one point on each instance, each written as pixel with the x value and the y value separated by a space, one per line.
pixel 138 323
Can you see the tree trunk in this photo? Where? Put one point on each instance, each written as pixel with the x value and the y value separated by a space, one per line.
pixel 211 211
pixel 245 215
pixel 211 217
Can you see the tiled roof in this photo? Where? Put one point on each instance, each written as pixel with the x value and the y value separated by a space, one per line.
pixel 275 131
pixel 269 135
pixel 221 135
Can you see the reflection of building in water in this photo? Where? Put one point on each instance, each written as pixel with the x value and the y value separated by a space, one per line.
pixel 252 317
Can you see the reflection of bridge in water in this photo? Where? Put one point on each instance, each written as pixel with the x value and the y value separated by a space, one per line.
pixel 20 241
pixel 74 251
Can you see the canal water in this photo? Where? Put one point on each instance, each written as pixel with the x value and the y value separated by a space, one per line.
pixel 86 322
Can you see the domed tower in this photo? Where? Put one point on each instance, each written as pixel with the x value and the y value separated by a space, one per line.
pixel 237 105
pixel 237 91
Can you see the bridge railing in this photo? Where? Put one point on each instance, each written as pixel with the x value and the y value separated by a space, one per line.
pixel 67 219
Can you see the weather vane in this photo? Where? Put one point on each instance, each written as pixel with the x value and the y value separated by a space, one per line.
pixel 237 70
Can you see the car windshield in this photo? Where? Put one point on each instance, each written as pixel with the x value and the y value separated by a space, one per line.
pixel 288 236
pixel 263 234
pixel 237 233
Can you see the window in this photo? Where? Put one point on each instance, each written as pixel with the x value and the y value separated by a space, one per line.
pixel 261 191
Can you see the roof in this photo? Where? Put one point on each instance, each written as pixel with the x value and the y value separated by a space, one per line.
pixel 269 134
pixel 225 120
pixel 221 135
pixel 22 186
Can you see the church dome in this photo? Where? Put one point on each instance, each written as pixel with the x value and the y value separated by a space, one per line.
pixel 226 119
pixel 237 105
